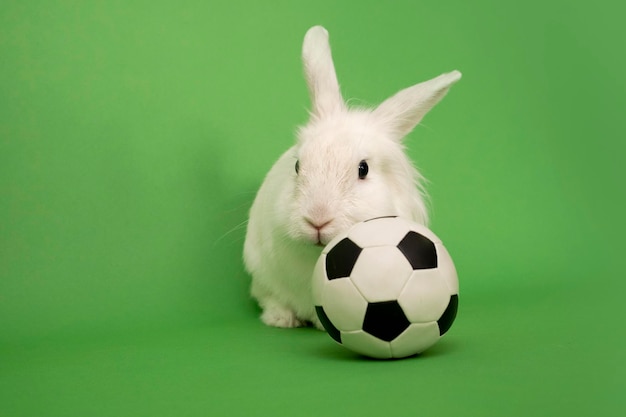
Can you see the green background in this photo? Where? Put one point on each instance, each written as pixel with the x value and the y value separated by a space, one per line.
pixel 133 136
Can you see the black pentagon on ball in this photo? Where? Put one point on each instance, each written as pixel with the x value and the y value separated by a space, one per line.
pixel 419 251
pixel 328 325
pixel 448 316
pixel 385 320
pixel 341 259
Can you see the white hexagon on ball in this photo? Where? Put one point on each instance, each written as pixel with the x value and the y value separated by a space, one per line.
pixel 366 344
pixel 380 273
pixel 425 296
pixel 382 231
pixel 415 339
pixel 446 269
pixel 344 305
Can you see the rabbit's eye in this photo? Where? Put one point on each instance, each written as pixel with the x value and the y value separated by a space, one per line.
pixel 363 170
pixel 297 166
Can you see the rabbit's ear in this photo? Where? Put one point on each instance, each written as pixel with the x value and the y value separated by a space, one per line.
pixel 320 73
pixel 403 111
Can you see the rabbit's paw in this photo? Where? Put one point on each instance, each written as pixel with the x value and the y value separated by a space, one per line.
pixel 278 316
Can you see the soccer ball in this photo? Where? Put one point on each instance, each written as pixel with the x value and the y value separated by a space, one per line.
pixel 387 288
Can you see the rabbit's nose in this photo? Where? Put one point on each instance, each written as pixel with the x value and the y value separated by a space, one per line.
pixel 318 224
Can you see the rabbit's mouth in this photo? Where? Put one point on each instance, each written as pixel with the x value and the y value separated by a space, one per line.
pixel 320 241
pixel 319 232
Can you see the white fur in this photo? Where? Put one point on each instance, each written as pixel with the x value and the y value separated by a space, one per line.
pixel 282 244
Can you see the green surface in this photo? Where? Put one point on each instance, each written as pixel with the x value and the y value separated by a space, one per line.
pixel 133 136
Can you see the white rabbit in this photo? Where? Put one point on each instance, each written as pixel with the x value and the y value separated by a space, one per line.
pixel 348 165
